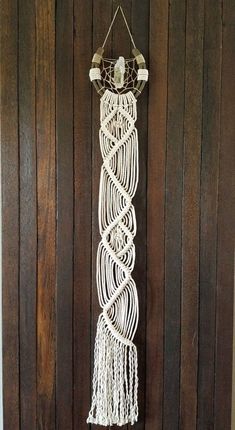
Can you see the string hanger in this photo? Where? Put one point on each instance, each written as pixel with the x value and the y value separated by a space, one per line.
pixel 119 8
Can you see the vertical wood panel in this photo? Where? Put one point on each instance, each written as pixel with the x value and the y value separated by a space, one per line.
pixel 158 50
pixel 64 138
pixel 226 227
pixel 10 212
pixel 82 212
pixel 184 207
pixel 45 116
pixel 121 44
pixel 190 214
pixel 28 214
pixel 140 24
pixel 208 227
pixel 174 178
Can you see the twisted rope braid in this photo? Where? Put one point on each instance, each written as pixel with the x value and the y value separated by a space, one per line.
pixel 115 379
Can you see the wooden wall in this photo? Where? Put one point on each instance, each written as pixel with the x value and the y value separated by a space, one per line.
pixel 184 204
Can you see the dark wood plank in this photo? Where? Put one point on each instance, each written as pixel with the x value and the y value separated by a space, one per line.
pixel 158 52
pixel 191 213
pixel 208 223
pixel 82 212
pixel 121 44
pixel 64 275
pixel 173 213
pixel 50 153
pixel 102 15
pixel 28 215
pixel 45 117
pixel 10 213
pixel 226 228
pixel 140 25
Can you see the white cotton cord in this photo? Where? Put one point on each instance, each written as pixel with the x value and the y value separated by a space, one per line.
pixel 115 377
pixel 94 73
pixel 115 380
pixel 142 75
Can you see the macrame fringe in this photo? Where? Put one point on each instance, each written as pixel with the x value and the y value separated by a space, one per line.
pixel 115 380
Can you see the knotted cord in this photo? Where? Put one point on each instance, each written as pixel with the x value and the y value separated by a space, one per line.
pixel 115 376
pixel 107 75
pixel 115 380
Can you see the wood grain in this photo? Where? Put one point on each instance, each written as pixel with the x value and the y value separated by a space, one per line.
pixel 50 170
pixel 10 213
pixel 46 201
pixel 158 54
pixel 208 223
pixel 28 215
pixel 120 39
pixel 64 245
pixel 191 214
pixel 140 23
pixel 226 229
pixel 173 213
pixel 82 214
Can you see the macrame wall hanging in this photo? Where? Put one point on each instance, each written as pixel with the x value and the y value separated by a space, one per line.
pixel 115 378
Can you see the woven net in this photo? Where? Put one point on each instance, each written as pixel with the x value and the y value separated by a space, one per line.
pixel 107 75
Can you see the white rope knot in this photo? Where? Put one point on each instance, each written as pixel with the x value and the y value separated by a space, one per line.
pixel 115 377
pixel 94 73
pixel 142 75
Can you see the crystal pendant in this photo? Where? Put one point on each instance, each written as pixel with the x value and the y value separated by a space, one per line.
pixel 119 72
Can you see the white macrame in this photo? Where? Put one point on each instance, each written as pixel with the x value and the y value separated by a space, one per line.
pixel 115 378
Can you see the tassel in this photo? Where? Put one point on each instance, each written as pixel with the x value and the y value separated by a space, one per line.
pixel 115 380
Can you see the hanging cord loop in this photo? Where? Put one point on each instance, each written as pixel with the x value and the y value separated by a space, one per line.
pixel 96 65
pixel 127 26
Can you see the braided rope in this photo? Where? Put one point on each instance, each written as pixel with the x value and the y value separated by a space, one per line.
pixel 115 379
